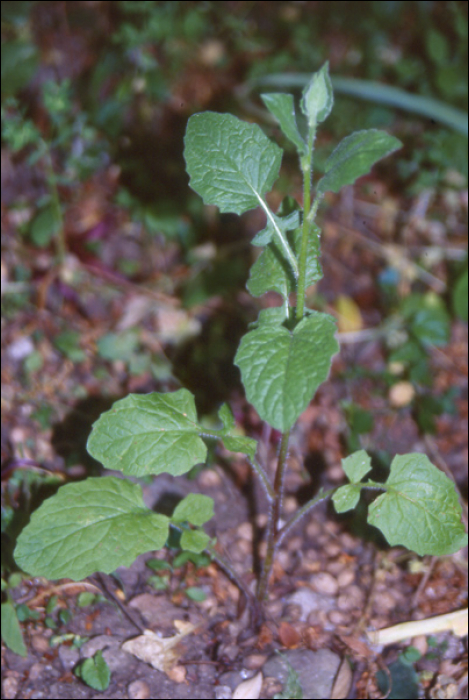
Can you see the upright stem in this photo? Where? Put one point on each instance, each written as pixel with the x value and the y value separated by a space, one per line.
pixel 274 517
pixel 275 507
pixel 307 167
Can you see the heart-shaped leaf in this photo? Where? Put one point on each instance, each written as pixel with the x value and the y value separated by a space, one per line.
pixel 281 370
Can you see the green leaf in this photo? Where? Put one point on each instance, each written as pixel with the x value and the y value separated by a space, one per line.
pixel 44 226
pixel 354 156
pixel 272 316
pixel 460 297
pixel 318 96
pixel 420 508
pixel 118 346
pixel 399 681
pixel 94 525
pixel 226 416
pixel 194 540
pixel 346 497
pixel 271 271
pixel 239 443
pixel 19 63
pixel 284 223
pixel 235 443
pixel 149 434
pixel 380 94
pixel 95 672
pixel 431 326
pixel 282 106
pixel 195 508
pixel 231 163
pixel 68 342
pixel 428 319
pixel 356 466
pixel 281 370
pixel 11 630
pixel 195 593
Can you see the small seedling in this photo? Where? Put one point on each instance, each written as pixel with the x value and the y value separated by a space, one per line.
pixel 101 523
pixel 94 672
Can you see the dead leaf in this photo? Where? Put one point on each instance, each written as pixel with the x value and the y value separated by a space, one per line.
pixel 288 635
pixel 342 682
pixel 455 622
pixel 249 689
pixel 349 315
pixel 159 652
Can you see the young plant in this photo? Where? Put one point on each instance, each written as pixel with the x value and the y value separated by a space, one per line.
pixel 70 141
pixel 101 523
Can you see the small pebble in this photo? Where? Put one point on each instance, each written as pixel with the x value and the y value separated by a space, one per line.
pixel 243 547
pixel 324 583
pixel 177 674
pixel 337 617
pixel 138 690
pixel 209 478
pixel 401 394
pixel 245 531
pixel 295 544
pixel 9 688
pixel 290 504
pixel 36 671
pixel 40 644
pixel 20 348
pixel 255 661
pixel 345 578
pixel 386 601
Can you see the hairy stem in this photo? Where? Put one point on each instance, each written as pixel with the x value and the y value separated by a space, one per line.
pixel 307 167
pixel 252 602
pixel 258 468
pixel 321 496
pixel 225 565
pixel 274 516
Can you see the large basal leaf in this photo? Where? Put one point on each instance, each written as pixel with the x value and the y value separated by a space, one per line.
pixel 149 434
pixel 354 156
pixel 282 106
pixel 420 508
pixel 281 370
pixel 230 163
pixel 271 271
pixel 94 525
